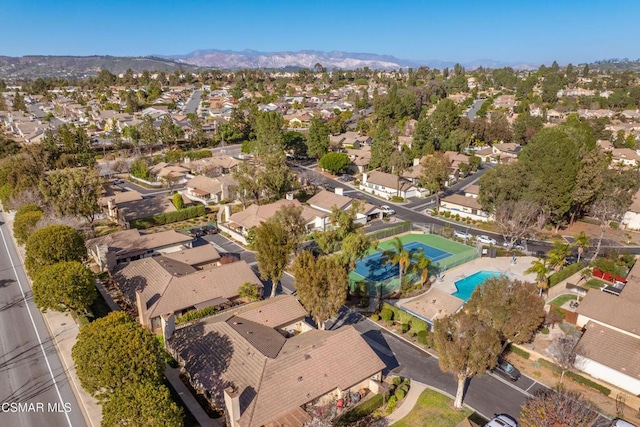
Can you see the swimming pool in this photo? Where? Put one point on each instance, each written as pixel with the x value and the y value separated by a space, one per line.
pixel 374 269
pixel 467 285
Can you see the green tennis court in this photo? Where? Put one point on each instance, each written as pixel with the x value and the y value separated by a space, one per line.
pixel 445 254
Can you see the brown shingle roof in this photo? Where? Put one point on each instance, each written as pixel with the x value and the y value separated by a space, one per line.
pixel 266 340
pixel 611 348
pixel 434 304
pixel 285 312
pixel 127 241
pixel 461 200
pixel 328 199
pixel 193 256
pixel 387 180
pixel 255 214
pixel 307 366
pixel 611 310
pixel 119 197
pixel 209 185
pixel 631 290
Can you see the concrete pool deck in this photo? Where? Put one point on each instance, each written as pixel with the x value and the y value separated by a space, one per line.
pixel 500 265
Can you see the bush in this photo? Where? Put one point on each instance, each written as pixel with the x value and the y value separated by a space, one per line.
pixel 335 162
pixel 418 325
pixel 396 381
pixel 250 292
pixel 575 377
pixel 361 411
pixel 196 314
pixel 399 394
pixel 177 201
pixel 563 274
pixel 405 328
pixel 386 314
pixel 520 352
pixel 391 404
pixel 199 154
pixel 169 217
pixel 375 317
pixel 545 331
pixel 25 223
pixel 422 337
pixel 397 199
pixel 407 382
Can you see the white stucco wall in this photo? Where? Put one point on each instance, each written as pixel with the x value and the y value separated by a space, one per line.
pixel 610 375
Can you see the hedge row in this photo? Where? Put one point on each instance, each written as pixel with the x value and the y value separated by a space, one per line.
pixel 563 274
pixel 169 217
pixel 576 377
pixel 196 314
pixel 520 352
pixel 403 317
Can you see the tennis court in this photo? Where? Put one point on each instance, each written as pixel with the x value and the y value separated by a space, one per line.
pixel 444 254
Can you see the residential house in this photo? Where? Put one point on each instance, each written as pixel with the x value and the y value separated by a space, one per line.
pixel 160 286
pixel 111 202
pixel 326 201
pixel 219 164
pixel 200 257
pixel 207 190
pixel 505 152
pixel 472 191
pixel 388 185
pixel 466 207
pixel 252 363
pixel 631 219
pixel 625 157
pixel 432 305
pixel 169 173
pixel 350 140
pixel 125 246
pixel 128 211
pixel 239 224
pixel 360 159
pixel 507 102
pixel 609 349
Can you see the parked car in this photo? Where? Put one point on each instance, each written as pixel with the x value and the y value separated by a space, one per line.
pixel 502 420
pixel 483 238
pixel 462 234
pixel 196 232
pixel 571 259
pixel 329 187
pixel 386 209
pixel 210 229
pixel 518 245
pixel 345 178
pixel 118 181
pixel 506 369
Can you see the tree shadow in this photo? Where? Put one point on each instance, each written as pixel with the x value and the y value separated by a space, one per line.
pixel 206 355
pixel 6 282
pixel 380 347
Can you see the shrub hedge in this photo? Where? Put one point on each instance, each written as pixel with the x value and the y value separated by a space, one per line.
pixel 386 314
pixel 169 217
pixel 196 314
pixel 563 274
pixel 520 352
pixel 402 316
pixel 391 404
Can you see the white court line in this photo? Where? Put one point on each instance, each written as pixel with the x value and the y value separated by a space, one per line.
pixel 33 323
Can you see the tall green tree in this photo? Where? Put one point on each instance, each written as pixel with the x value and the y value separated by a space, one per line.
pixel 512 308
pixel 435 172
pixel 557 256
pixel 466 346
pixel 250 183
pixel 320 284
pixel 277 177
pixel 141 405
pixel 115 351
pixel 64 287
pixel 540 268
pixel 317 139
pixel 560 407
pixel 25 220
pixel 582 242
pixel 335 162
pixel 73 192
pixel 273 246
pixel 18 102
pixel 148 132
pixel 53 244
pixel 421 263
pixel 398 256
pixel 269 134
pixel 381 148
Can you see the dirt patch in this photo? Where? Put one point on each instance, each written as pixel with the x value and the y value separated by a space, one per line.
pixel 626 237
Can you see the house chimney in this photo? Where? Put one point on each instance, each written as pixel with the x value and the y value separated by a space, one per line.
pixel 232 404
pixel 142 308
pixel 364 177
pixel 168 324
pixel 339 191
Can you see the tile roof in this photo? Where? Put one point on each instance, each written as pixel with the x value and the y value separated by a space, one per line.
pixel 193 256
pixel 266 340
pixel 128 241
pixel 255 214
pixel 168 285
pixel 285 312
pixel 434 304
pixel 145 208
pixel 209 185
pixel 328 199
pixel 387 180
pixel 472 189
pixel 307 365
pixel 611 310
pixel 461 200
pixel 631 290
pixel 120 197
pixel 611 348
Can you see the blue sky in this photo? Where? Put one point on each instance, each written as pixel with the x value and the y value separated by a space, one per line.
pixel 463 30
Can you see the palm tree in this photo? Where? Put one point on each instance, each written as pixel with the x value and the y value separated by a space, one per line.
pixel 540 268
pixel 397 255
pixel 421 263
pixel 582 242
pixel 558 255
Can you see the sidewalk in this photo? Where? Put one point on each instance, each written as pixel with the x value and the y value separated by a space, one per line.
pixel 410 400
pixel 173 376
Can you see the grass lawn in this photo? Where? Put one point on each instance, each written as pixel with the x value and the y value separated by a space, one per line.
pixel 433 410
pixel 563 299
pixel 594 283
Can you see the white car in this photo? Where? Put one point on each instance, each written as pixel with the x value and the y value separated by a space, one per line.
pixel 483 238
pixel 387 210
pixel 462 234
pixel 502 420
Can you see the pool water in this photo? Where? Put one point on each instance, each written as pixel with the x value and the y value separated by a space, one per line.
pixel 467 285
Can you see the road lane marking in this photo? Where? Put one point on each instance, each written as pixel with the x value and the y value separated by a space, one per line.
pixel 529 388
pixel 33 323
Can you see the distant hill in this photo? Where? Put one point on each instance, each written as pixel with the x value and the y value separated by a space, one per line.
pixel 617 64
pixel 81 66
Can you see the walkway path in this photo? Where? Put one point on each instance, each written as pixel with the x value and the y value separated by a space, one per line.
pixel 408 403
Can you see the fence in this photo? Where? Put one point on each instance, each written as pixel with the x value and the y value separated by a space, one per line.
pixel 403 227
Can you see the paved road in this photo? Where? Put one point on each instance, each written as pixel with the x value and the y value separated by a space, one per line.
pixel 30 370
pixel 471 114
pixel 487 394
pixel 194 101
